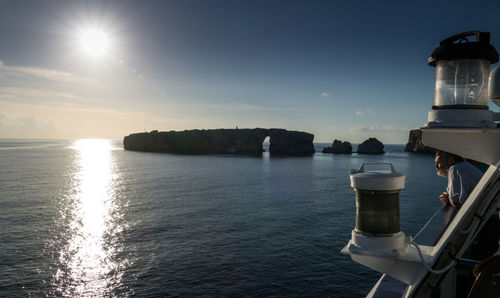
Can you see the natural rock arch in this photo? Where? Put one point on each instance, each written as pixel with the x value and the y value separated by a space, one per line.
pixel 223 141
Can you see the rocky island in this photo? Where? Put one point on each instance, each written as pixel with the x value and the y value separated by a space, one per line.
pixel 223 141
pixel 371 146
pixel 339 147
pixel 415 144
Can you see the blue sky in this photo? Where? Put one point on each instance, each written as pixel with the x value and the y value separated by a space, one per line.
pixel 338 69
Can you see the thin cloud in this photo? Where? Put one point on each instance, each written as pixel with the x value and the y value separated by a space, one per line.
pixel 379 128
pixel 23 93
pixel 38 96
pixel 40 73
pixel 24 123
pixel 246 107
pixel 324 94
pixel 43 86
pixel 364 112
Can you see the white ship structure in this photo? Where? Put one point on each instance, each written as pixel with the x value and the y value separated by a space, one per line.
pixel 439 261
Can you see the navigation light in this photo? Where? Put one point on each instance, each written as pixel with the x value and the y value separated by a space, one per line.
pixel 377 211
pixel 462 72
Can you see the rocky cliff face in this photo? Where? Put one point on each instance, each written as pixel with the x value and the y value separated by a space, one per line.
pixel 371 146
pixel 222 141
pixel 295 143
pixel 339 147
pixel 415 143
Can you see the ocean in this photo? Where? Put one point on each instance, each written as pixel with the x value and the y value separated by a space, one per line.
pixel 87 218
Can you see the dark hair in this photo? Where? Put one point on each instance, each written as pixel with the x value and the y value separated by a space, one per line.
pixel 445 154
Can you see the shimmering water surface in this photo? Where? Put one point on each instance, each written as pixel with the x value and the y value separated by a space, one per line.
pixel 86 218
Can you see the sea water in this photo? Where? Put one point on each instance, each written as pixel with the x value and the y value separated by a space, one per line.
pixel 86 218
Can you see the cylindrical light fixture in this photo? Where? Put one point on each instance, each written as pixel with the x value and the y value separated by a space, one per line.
pixel 462 72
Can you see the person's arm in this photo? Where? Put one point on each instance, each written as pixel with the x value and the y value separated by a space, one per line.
pixel 454 188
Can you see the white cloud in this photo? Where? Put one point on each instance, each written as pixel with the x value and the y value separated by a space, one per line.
pixel 379 128
pixel 23 123
pixel 44 86
pixel 28 93
pixel 325 94
pixel 247 107
pixel 39 73
pixel 363 112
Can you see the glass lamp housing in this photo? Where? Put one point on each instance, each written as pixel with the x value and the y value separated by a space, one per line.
pixel 462 73
pixel 377 200
pixel 462 83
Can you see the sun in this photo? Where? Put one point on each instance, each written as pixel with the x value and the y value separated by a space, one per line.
pixel 94 42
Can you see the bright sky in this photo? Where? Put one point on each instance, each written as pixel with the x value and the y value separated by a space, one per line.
pixel 338 69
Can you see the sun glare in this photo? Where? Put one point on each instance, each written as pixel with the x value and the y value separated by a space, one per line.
pixel 94 42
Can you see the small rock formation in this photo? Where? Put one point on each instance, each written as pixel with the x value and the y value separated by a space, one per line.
pixel 371 146
pixel 339 147
pixel 416 145
pixel 222 141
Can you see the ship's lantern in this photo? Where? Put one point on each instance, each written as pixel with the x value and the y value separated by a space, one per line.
pixel 377 199
pixel 462 72
pixel 377 210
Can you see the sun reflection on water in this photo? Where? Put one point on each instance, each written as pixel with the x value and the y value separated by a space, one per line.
pixel 89 268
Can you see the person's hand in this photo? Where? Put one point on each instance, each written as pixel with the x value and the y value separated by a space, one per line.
pixel 445 198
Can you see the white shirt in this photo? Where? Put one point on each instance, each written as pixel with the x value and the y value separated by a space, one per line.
pixel 462 178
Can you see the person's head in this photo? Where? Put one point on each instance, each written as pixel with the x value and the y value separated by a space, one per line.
pixel 444 160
